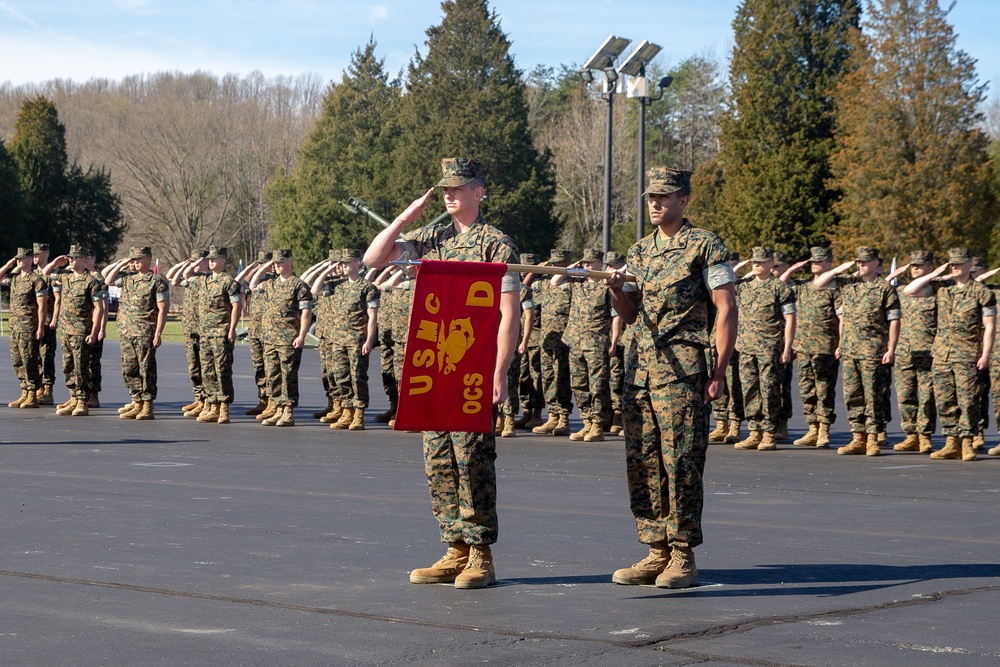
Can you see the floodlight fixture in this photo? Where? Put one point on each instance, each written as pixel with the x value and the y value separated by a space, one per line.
pixel 586 76
pixel 611 75
pixel 636 62
pixel 604 57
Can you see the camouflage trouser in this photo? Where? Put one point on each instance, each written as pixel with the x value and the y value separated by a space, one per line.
pixel 47 357
pixel 761 382
pixel 915 395
pixel 139 367
pixel 96 375
pixel 386 360
pixel 666 437
pixel 729 406
pixel 217 368
pixel 281 364
pixel 530 379
pixel 588 373
pixel 398 356
pixel 257 360
pixel 865 383
pixel 994 390
pixel 512 405
pixel 985 385
pixel 192 351
pixel 76 365
pixel 957 390
pixel 818 387
pixel 462 479
pixel 785 396
pixel 350 374
pixel 555 380
pixel 327 372
pixel 616 377
pixel 24 357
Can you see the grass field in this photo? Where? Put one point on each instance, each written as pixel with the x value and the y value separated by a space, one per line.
pixel 171 332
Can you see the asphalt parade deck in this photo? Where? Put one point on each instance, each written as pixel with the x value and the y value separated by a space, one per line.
pixel 176 543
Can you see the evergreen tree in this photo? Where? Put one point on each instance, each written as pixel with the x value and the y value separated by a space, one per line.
pixel 91 214
pixel 776 142
pixel 348 154
pixel 466 98
pixel 39 151
pixel 912 162
pixel 12 231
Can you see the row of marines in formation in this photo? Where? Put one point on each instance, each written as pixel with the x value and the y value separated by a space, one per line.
pixel 935 334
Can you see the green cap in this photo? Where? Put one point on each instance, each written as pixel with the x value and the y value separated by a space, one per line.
pixel 217 251
pixel 557 255
pixel 264 256
pixel 978 263
pixel 921 257
pixel 959 256
pixel 529 258
pixel 24 253
pixel 350 254
pixel 820 254
pixel 77 250
pixel 40 248
pixel 281 255
pixel 612 258
pixel 866 254
pixel 197 255
pixel 664 180
pixel 592 255
pixel 762 254
pixel 139 251
pixel 457 171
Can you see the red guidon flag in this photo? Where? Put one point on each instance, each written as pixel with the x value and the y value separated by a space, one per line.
pixel 451 350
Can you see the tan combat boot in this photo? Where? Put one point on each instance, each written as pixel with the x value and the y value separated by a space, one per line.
pixel 522 421
pixel 16 403
pixel 94 401
pixel 926 446
pixel 911 443
pixel 269 412
pixel 387 416
pixel 952 449
pixel 196 409
pixel 191 406
pixel 562 428
pixel 67 407
pixel 127 407
pixel 720 432
pixel 823 437
pixel 146 414
pixel 734 432
pixel 596 433
pixel 978 441
pixel 210 413
pixel 44 395
pixel 287 418
pixel 647 570
pixel 767 442
pixel 548 427
pixel 223 417
pixel 872 446
pixel 579 435
pixel 810 438
pixel 81 409
pixel 781 432
pixel 681 572
pixel 751 442
pixel 994 451
pixel 478 572
pixel 857 445
pixel 31 400
pixel 257 409
pixel 498 425
pixel 508 427
pixel 882 439
pixel 271 419
pixel 968 448
pixel 358 420
pixel 446 568
pixel 335 413
pixel 346 417
pixel 319 414
pixel 617 425
pixel 535 420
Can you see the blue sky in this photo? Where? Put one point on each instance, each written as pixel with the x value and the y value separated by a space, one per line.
pixel 83 39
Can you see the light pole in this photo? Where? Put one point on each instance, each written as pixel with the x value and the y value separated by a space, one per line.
pixel 604 60
pixel 635 67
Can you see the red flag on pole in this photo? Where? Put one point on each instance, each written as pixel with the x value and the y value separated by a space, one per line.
pixel 451 349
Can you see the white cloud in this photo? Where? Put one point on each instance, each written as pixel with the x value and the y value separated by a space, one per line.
pixel 379 12
pixel 18 15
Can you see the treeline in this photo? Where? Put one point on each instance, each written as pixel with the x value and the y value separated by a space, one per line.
pixel 837 126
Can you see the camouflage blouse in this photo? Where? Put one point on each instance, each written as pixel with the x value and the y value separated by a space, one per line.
pixel 219 295
pixel 24 293
pixel 138 311
pixel 960 313
pixel 284 301
pixel 80 295
pixel 817 327
pixel 866 308
pixel 763 305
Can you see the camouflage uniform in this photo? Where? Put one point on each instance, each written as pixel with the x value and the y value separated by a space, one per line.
pixel 47 345
pixel 350 302
pixel 913 370
pixel 190 322
pixel 530 370
pixel 665 418
pixel 554 303
pixel 784 412
pixel 817 336
pixel 729 406
pixel 283 301
pixel 588 336
pixel 866 308
pixel 137 315
pixel 512 404
pixel 616 365
pixel 387 345
pixel 957 348
pixel 461 467
pixel 80 295
pixel 763 305
pixel 24 347
pixel 254 306
pixel 97 349
pixel 324 313
pixel 402 304
pixel 219 294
